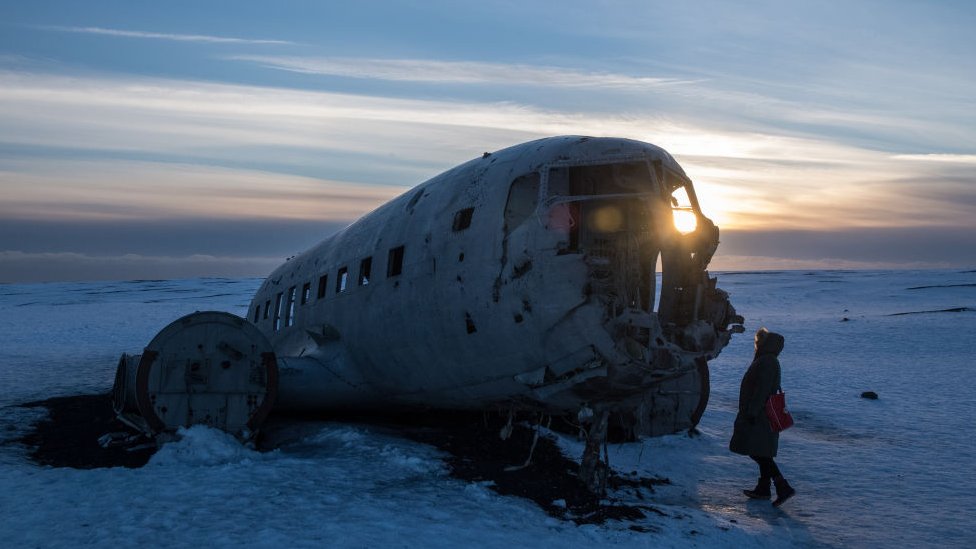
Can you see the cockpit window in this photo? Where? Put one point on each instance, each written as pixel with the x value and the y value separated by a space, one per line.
pixel 594 204
pixel 683 205
pixel 523 198
pixel 685 219
pixel 622 178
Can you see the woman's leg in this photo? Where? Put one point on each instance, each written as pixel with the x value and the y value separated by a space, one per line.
pixel 762 489
pixel 768 470
pixel 767 467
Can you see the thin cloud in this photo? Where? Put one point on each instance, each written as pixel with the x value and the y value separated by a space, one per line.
pixel 723 262
pixel 747 179
pixel 938 157
pixel 120 190
pixel 166 36
pixel 456 72
pixel 17 266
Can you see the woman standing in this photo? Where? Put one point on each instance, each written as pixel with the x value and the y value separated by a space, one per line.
pixel 752 435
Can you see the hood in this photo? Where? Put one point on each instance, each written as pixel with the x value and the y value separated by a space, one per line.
pixel 771 345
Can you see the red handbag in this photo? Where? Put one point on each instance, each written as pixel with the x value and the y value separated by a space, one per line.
pixel 779 417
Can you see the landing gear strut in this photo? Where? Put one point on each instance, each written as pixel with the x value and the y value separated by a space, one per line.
pixel 593 471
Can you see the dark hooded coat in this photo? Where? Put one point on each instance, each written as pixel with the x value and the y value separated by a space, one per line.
pixel 752 435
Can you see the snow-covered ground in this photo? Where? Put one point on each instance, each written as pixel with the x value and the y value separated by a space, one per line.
pixel 893 472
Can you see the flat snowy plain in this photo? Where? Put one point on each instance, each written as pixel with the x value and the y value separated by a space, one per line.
pixel 895 472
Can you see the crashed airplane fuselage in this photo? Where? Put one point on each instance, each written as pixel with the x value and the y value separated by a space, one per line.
pixel 524 279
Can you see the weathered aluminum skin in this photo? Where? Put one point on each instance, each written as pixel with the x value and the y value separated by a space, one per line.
pixel 542 297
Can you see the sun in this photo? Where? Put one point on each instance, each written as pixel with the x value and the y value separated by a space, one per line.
pixel 685 221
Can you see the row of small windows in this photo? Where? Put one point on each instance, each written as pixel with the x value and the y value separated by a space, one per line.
pixel 285 301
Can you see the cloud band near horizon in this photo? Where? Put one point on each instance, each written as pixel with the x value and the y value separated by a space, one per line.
pixel 746 180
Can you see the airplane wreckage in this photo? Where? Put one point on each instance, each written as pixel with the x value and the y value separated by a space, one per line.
pixel 522 280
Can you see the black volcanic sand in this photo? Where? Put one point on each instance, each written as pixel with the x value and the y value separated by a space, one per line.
pixel 68 437
pixel 477 453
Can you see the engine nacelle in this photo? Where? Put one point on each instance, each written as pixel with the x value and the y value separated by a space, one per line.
pixel 210 368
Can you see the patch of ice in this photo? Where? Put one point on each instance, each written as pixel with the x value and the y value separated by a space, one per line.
pixel 202 446
pixel 342 434
pixel 480 491
pixel 396 457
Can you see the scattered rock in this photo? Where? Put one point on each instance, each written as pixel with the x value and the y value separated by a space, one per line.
pixel 870 395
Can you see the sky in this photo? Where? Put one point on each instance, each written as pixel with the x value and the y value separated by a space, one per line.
pixel 177 139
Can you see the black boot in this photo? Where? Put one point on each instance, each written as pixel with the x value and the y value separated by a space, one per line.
pixel 783 491
pixel 761 491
